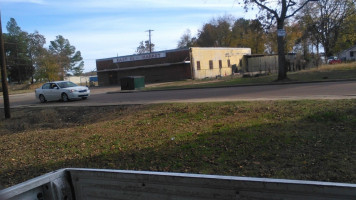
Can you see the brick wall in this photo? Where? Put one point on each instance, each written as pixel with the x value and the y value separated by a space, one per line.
pixel 152 75
pixel 110 73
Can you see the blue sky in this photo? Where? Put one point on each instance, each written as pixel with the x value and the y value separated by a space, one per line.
pixel 107 28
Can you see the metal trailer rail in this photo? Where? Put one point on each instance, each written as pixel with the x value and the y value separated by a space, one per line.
pixel 67 184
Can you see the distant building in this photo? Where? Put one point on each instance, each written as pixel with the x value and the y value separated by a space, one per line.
pixel 348 54
pixel 172 65
pixel 79 80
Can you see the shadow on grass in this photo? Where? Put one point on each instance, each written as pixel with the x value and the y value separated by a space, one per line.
pixel 56 117
pixel 323 75
pixel 320 146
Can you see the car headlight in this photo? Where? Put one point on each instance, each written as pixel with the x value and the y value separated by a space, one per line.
pixel 72 90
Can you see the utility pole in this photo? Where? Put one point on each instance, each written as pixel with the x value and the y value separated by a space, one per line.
pixel 5 91
pixel 149 35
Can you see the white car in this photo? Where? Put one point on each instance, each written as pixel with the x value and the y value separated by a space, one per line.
pixel 61 90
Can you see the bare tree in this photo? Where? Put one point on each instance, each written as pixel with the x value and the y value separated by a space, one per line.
pixel 186 40
pixel 145 47
pixel 327 19
pixel 278 11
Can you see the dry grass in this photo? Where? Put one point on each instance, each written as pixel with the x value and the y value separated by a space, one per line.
pixel 322 73
pixel 326 72
pixel 312 140
pixel 335 67
pixel 21 88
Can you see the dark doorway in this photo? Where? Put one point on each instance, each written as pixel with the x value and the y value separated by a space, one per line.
pixel 113 78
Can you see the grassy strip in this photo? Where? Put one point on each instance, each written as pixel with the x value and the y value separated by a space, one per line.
pixel 323 73
pixel 311 140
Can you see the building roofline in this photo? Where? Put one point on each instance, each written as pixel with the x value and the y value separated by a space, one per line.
pixel 165 51
pixel 175 50
pixel 229 48
pixel 347 49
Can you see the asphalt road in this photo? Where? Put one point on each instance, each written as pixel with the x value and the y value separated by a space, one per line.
pixel 112 95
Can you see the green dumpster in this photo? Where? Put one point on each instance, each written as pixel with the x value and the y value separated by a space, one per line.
pixel 132 82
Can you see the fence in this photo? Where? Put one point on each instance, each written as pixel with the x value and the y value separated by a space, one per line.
pixel 261 64
pixel 116 184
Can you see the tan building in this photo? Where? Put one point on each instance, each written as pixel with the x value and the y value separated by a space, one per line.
pixel 172 65
pixel 212 62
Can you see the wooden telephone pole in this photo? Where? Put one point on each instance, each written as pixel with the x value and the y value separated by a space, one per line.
pixel 3 75
pixel 149 33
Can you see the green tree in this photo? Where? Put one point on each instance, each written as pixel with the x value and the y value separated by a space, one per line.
pixel 18 61
pixel 347 36
pixel 249 33
pixel 258 37
pixel 35 49
pixel 223 31
pixel 49 68
pixel 216 33
pixel 207 36
pixel 78 70
pixel 69 59
pixel 228 32
pixel 240 33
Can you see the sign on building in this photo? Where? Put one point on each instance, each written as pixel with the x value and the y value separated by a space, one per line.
pixel 139 57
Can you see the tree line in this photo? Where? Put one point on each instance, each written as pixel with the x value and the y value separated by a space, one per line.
pixel 227 32
pixel 310 26
pixel 28 59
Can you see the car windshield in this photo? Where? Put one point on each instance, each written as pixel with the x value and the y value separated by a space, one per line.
pixel 66 84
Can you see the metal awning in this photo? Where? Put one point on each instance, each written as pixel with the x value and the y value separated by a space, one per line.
pixel 144 66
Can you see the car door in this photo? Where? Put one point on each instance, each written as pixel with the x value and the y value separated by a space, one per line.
pixel 50 92
pixel 46 91
pixel 56 92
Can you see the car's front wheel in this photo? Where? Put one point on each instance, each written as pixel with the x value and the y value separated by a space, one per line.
pixel 42 98
pixel 65 97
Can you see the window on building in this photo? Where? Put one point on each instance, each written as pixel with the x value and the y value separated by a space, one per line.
pixel 220 64
pixel 198 65
pixel 228 63
pixel 211 66
pixel 351 54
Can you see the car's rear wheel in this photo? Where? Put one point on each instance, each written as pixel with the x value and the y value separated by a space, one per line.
pixel 42 99
pixel 65 97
